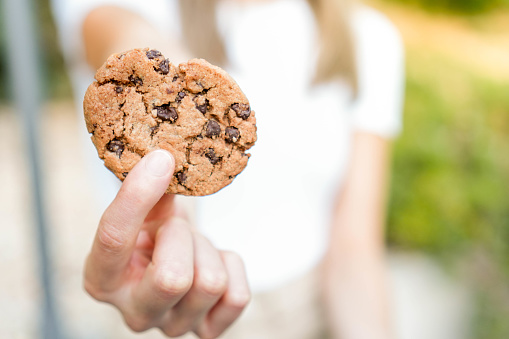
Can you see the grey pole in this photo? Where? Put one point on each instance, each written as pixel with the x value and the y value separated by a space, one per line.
pixel 23 64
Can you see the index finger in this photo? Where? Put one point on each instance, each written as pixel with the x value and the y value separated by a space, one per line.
pixel 121 222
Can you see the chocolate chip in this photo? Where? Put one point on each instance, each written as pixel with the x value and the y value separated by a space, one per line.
pixel 232 134
pixel 213 129
pixel 181 177
pixel 180 96
pixel 115 146
pixel 154 129
pixel 167 113
pixel 203 108
pixel 125 174
pixel 174 78
pixel 119 89
pixel 135 80
pixel 152 54
pixel 211 155
pixel 242 110
pixel 164 66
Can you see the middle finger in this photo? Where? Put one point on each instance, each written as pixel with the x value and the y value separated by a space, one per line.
pixel 169 275
pixel 210 283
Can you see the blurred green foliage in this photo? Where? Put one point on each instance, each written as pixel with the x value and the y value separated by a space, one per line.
pixel 3 61
pixel 453 155
pixel 54 74
pixel 450 190
pixel 462 6
pixel 55 81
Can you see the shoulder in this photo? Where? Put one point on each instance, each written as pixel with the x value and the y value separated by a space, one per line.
pixel 72 10
pixel 69 16
pixel 380 70
pixel 374 30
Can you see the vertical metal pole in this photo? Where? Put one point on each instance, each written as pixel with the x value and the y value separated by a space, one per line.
pixel 23 62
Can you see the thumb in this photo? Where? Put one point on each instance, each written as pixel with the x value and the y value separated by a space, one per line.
pixel 147 181
pixel 141 190
pixel 121 222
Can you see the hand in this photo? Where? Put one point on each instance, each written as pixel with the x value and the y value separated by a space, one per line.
pixel 153 266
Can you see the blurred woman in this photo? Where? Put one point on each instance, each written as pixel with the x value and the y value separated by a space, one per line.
pixel 306 217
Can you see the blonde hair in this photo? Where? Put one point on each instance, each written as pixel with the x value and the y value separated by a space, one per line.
pixel 337 54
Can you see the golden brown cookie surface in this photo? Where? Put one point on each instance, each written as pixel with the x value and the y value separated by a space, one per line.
pixel 141 102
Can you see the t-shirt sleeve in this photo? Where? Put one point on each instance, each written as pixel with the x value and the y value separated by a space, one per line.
pixel 70 14
pixel 380 65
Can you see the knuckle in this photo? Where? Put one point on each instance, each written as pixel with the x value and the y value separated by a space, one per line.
pixel 233 260
pixel 91 290
pixel 207 334
pixel 238 300
pixel 137 324
pixel 135 195
pixel 173 332
pixel 208 331
pixel 94 291
pixel 172 284
pixel 232 256
pixel 110 239
pixel 212 283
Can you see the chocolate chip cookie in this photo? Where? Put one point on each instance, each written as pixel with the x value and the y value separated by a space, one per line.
pixel 141 102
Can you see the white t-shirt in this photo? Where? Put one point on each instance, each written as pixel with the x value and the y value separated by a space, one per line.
pixel 276 213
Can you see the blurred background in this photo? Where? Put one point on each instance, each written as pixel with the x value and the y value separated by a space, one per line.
pixel 448 221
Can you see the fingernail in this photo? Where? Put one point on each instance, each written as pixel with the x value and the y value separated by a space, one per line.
pixel 159 163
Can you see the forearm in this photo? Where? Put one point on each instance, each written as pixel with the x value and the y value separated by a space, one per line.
pixel 355 288
pixel 109 29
